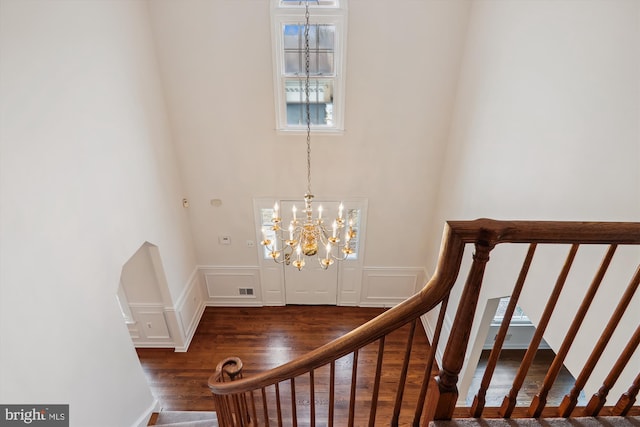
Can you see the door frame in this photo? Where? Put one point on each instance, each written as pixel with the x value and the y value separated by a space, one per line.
pixel 349 272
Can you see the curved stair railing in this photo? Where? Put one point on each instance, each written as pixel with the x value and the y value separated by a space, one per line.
pixel 306 391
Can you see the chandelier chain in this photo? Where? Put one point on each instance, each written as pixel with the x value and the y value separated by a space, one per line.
pixel 308 236
pixel 306 93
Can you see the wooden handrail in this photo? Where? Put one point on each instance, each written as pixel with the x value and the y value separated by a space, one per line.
pixel 429 297
pixel 587 232
pixel 484 235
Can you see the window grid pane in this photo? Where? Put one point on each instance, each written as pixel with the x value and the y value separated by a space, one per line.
pixel 321 102
pixel 321 49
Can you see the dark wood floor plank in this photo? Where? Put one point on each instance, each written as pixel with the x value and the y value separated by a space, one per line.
pixel 265 337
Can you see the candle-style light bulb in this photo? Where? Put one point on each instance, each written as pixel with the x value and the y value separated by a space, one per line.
pixel 290 231
pixel 328 249
pixel 294 210
pixel 319 212
pixel 276 208
pixel 340 208
pixel 335 227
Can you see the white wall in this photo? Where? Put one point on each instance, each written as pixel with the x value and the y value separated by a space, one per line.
pixel 402 66
pixel 139 279
pixel 87 175
pixel 545 124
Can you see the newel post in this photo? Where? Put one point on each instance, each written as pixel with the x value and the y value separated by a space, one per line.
pixel 442 398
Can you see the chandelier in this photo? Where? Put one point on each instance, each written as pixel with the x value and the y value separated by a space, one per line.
pixel 308 236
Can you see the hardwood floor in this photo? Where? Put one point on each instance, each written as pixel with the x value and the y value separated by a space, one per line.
pixel 506 370
pixel 266 337
pixel 262 337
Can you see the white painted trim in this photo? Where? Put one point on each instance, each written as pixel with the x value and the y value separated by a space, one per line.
pixel 428 330
pixel 382 304
pixel 193 326
pixel 444 334
pixel 149 305
pixel 233 303
pixel 153 344
pixel 280 15
pixel 253 272
pixel 367 299
pixel 190 283
pixel 193 285
pixel 153 252
pixel 143 420
pixel 227 267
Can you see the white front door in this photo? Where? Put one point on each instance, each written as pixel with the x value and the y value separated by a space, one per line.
pixel 284 284
pixel 312 285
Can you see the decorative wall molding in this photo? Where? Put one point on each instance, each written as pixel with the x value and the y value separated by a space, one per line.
pixel 376 287
pixel 172 325
pixel 151 328
pixel 189 308
pixel 223 286
pixel 389 286
pixel 191 282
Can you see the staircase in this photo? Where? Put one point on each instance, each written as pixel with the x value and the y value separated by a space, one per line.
pixel 306 391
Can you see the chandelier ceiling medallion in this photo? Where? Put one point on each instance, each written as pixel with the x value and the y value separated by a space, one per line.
pixel 309 236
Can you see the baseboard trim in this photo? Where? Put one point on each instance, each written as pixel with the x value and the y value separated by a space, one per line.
pixel 234 303
pixel 143 420
pixel 151 344
pixel 384 303
pixel 191 281
pixel 192 328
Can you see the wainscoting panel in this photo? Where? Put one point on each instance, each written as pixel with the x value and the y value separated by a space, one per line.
pixel 232 286
pixel 387 287
pixel 152 328
pixel 190 307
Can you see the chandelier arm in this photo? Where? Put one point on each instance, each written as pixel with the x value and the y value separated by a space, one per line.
pixel 338 258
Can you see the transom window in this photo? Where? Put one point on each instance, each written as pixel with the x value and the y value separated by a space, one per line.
pixel 327 43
